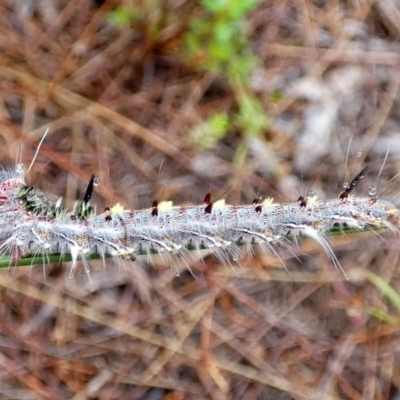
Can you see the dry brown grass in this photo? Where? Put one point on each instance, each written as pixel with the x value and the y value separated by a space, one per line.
pixel 120 103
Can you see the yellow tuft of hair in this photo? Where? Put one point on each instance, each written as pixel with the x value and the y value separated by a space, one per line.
pixel 165 206
pixel 219 205
pixel 116 209
pixel 312 199
pixel 269 201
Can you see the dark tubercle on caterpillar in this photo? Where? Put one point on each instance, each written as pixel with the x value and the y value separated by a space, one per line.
pixel 258 207
pixel 154 211
pixel 350 186
pixel 208 203
pixel 89 190
pixel 302 202
pixel 82 209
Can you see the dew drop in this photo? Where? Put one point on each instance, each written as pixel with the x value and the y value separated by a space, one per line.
pixel 372 191
pixel 96 181
pixel 359 154
pixel 20 170
pixel 345 185
pixel 311 193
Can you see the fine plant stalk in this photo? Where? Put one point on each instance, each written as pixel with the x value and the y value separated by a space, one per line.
pixel 6 261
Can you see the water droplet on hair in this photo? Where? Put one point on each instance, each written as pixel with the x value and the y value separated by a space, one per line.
pixel 359 154
pixel 311 193
pixel 372 191
pixel 345 185
pixel 20 170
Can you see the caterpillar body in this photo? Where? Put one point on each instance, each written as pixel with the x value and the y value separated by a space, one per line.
pixel 35 225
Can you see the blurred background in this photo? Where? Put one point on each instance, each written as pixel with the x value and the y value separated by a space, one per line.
pixel 169 100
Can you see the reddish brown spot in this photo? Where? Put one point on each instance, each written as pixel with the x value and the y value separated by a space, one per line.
pixel 154 211
pixel 255 201
pixel 208 208
pixel 302 201
pixel 207 198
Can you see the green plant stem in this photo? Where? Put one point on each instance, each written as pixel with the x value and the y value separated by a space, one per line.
pixel 6 262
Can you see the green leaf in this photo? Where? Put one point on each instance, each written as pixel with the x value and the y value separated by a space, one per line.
pixel 251 116
pixel 240 8
pixel 214 6
pixel 207 134
pixel 224 34
pixel 123 16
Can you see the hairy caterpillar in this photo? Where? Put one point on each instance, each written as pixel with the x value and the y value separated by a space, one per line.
pixel 34 225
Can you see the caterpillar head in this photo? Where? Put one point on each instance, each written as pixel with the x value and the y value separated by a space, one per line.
pixel 10 181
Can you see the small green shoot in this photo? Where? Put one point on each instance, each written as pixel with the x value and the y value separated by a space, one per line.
pixel 124 16
pixel 207 134
pixel 390 293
